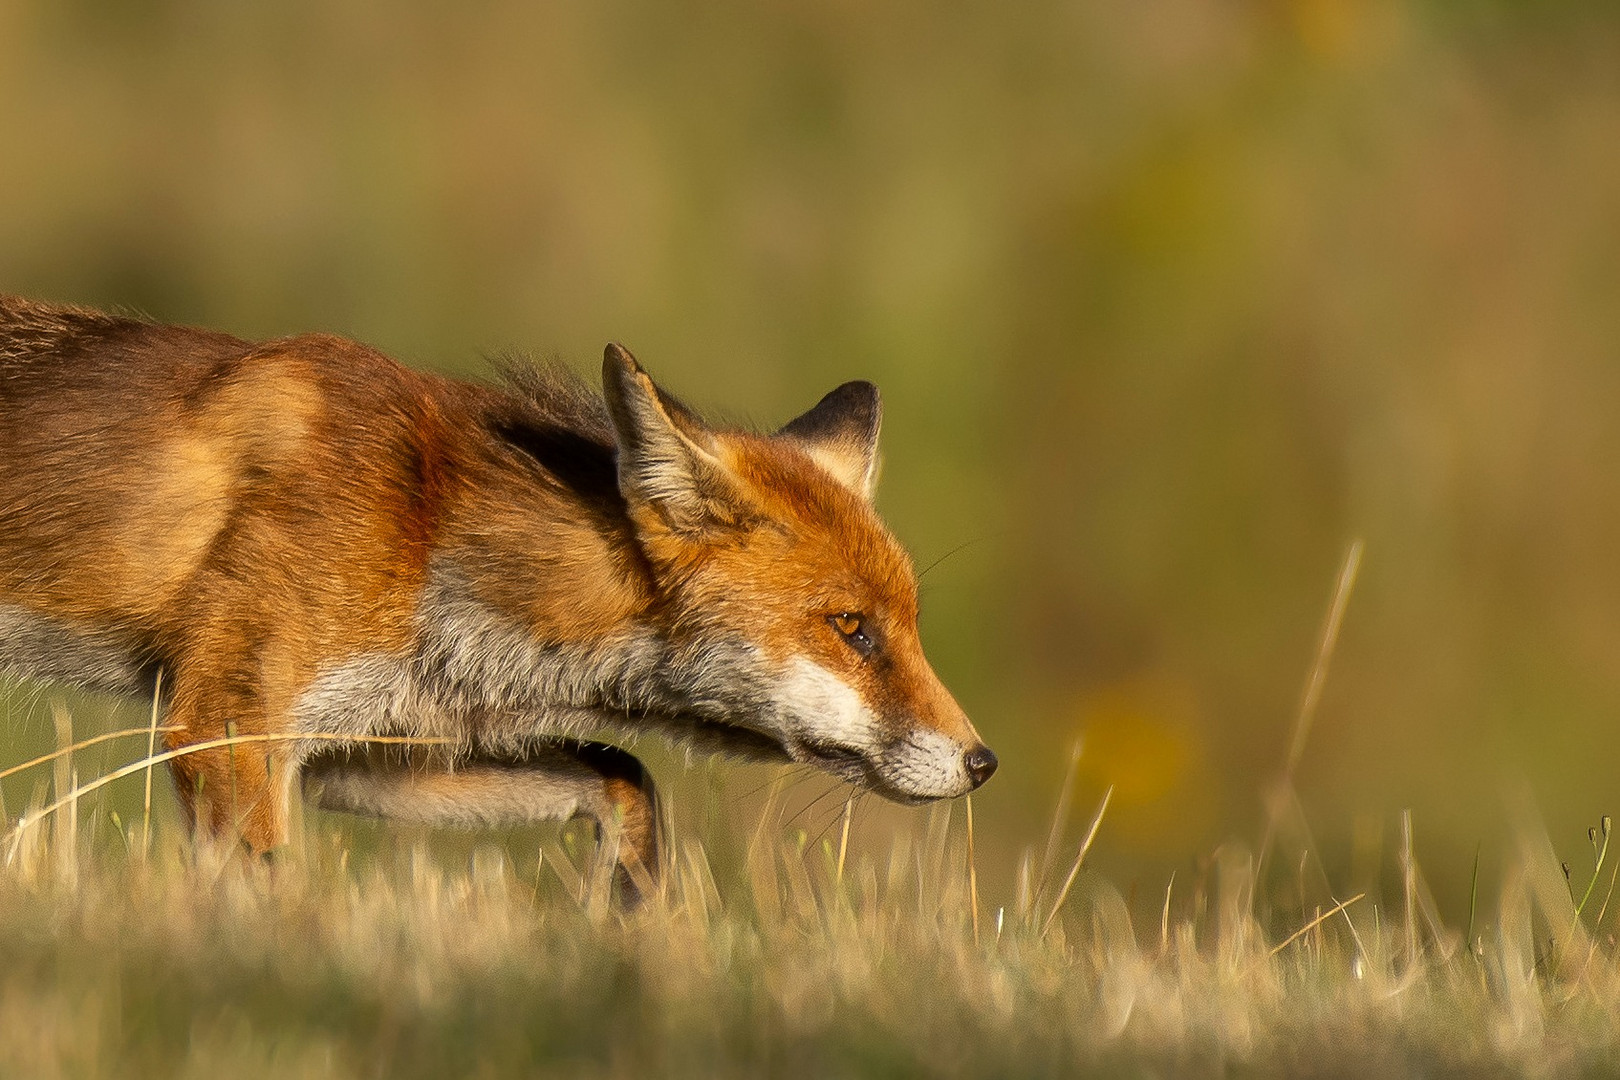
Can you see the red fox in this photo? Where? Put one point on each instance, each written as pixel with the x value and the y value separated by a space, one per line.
pixel 306 537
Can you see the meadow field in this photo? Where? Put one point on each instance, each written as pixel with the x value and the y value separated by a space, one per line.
pixel 774 946
pixel 763 957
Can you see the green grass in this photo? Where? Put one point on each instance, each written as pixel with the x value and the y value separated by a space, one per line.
pixel 767 953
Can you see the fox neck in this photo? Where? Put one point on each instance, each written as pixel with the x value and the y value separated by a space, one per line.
pixel 476 660
pixel 475 656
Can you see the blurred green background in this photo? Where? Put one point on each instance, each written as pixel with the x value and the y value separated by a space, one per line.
pixel 1169 300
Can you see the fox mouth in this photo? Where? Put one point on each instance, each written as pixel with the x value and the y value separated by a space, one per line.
pixel 852 765
pixel 831 753
pixel 843 761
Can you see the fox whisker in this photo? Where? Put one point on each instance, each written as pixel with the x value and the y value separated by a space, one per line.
pixel 836 813
pixel 797 772
pixel 807 807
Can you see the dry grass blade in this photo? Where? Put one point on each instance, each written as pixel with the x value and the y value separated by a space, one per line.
pixel 1060 815
pixel 64 751
pixel 1597 924
pixel 64 779
pixel 151 748
pixel 1312 694
pixel 1314 923
pixel 1164 920
pixel 973 872
pixel 564 869
pixel 843 840
pixel 1079 860
pixel 1409 887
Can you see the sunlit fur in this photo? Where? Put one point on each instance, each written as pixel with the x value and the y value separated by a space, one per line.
pixel 306 537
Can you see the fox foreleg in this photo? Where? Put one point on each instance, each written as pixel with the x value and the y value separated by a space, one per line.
pixel 556 781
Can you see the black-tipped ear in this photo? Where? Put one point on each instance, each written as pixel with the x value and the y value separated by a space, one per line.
pixel 666 457
pixel 841 434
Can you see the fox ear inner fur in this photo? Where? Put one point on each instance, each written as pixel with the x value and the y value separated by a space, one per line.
pixel 841 432
pixel 665 458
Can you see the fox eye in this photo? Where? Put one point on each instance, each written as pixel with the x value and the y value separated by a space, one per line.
pixel 851 626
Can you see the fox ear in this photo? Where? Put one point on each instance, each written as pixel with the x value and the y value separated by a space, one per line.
pixel 666 457
pixel 841 434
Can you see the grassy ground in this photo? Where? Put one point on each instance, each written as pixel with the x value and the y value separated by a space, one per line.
pixel 781 942
pixel 765 954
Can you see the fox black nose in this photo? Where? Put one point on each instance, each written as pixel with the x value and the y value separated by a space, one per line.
pixel 981 764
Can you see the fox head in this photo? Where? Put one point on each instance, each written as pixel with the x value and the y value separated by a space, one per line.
pixel 774 572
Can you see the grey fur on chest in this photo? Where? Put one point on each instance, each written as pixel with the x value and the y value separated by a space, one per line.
pixel 484 680
pixel 384 694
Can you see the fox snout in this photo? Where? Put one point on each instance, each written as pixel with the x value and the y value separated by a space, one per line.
pixel 941 755
pixel 926 765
